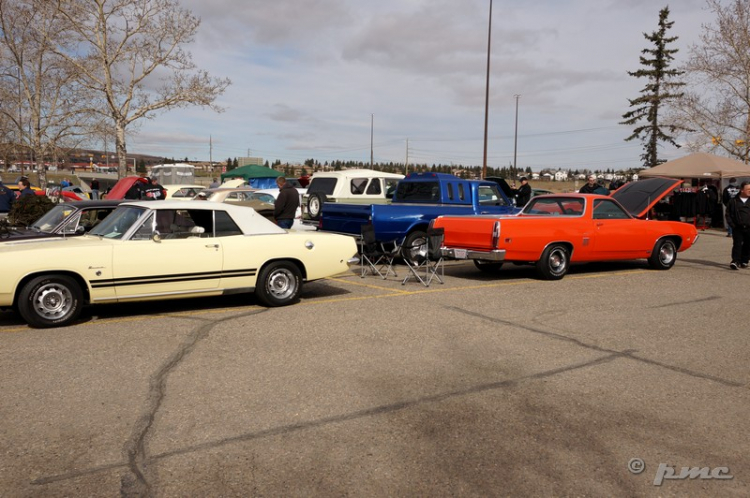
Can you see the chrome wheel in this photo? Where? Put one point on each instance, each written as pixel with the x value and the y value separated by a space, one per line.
pixel 51 301
pixel 281 283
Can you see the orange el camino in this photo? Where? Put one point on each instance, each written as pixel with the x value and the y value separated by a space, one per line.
pixel 556 230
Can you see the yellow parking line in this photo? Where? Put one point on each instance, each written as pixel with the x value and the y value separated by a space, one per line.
pixel 390 292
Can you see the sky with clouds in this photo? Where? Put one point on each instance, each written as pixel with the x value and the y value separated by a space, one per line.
pixel 313 78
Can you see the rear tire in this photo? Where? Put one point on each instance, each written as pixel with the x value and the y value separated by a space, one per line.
pixel 554 263
pixel 279 284
pixel 315 204
pixel 50 301
pixel 664 255
pixel 488 266
pixel 415 247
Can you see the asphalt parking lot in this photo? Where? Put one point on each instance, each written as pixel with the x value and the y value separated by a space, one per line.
pixel 606 383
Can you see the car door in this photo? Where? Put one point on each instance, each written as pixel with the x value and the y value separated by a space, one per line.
pixel 615 233
pixel 184 258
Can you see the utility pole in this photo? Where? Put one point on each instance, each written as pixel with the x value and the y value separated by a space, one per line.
pixel 515 139
pixel 211 153
pixel 487 96
pixel 406 165
pixel 372 120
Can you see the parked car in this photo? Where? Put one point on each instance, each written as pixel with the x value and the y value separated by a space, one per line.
pixel 148 250
pixel 351 186
pixel 182 191
pixel 246 197
pixel 556 230
pixel 419 198
pixel 64 220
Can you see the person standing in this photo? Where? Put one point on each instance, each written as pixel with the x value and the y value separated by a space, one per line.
pixel 738 218
pixel 7 198
pixel 590 186
pixel 154 191
pixel 95 189
pixel 24 188
pixel 285 207
pixel 729 193
pixel 214 184
pixel 523 193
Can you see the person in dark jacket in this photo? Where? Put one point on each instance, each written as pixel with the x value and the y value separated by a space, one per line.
pixel 285 207
pixel 7 198
pixel 153 191
pixel 135 191
pixel 729 193
pixel 738 218
pixel 523 193
pixel 590 187
pixel 24 187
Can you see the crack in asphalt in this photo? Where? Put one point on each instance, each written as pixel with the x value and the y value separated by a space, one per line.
pixel 137 483
pixel 627 353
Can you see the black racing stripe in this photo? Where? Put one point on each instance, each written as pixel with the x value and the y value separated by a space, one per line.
pixel 160 279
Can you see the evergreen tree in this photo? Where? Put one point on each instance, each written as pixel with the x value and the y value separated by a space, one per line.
pixel 661 88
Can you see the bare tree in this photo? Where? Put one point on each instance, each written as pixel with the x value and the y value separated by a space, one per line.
pixel 718 103
pixel 130 53
pixel 43 101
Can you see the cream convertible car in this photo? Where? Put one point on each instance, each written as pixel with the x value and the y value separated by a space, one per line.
pixel 164 250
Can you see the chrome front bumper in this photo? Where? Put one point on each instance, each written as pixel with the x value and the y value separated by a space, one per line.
pixel 494 255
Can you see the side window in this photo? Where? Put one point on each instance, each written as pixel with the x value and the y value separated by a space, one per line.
pixel 390 187
pixel 374 187
pixel 607 210
pixel 71 225
pixel 450 191
pixel 358 186
pixel 225 225
pixel 145 230
pixel 461 194
pixel 490 196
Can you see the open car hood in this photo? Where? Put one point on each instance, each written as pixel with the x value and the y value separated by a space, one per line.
pixel 639 197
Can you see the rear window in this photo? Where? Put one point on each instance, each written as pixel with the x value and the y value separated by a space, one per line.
pixel 418 191
pixel 325 185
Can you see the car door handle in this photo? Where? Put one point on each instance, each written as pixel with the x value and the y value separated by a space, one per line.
pixel 599 223
pixel 212 246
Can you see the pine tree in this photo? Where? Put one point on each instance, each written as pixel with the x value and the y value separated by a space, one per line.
pixel 660 89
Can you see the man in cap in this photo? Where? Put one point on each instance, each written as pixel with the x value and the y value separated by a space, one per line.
pixel 523 193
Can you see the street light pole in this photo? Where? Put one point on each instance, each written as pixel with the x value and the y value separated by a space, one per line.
pixel 487 96
pixel 372 121
pixel 515 139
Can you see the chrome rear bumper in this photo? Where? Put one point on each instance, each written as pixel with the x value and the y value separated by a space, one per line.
pixel 494 255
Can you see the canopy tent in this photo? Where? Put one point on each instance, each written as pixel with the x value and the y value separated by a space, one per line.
pixel 255 176
pixel 700 165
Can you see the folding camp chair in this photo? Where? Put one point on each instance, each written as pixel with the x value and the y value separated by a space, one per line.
pixel 376 257
pixel 426 258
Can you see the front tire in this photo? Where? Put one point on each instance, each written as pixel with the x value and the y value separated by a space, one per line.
pixel 554 263
pixel 279 284
pixel 664 255
pixel 50 301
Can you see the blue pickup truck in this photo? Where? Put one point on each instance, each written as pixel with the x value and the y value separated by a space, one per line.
pixel 419 198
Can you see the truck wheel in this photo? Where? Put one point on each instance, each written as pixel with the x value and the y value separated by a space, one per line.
pixel 50 301
pixel 414 249
pixel 664 255
pixel 279 284
pixel 315 204
pixel 554 262
pixel 487 266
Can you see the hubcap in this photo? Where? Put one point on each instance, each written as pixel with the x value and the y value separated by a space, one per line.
pixel 281 284
pixel 666 255
pixel 314 206
pixel 52 301
pixel 557 261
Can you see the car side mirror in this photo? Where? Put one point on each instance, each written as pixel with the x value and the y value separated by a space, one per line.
pixel 156 236
pixel 80 230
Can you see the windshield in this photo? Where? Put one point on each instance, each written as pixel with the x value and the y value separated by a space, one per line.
pixel 52 218
pixel 119 222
